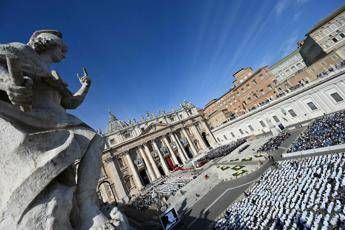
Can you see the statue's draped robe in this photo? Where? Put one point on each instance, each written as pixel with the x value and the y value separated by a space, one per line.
pixel 36 148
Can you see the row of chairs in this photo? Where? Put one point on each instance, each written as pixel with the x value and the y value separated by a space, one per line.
pixel 296 194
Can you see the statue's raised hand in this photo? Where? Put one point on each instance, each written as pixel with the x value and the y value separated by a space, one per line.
pixel 85 79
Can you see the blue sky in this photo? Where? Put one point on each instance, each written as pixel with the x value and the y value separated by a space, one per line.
pixel 151 55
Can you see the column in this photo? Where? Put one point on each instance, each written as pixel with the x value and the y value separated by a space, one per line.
pixel 172 137
pixel 213 140
pixel 136 177
pixel 152 161
pixel 113 170
pixel 182 148
pixel 164 164
pixel 189 141
pixel 198 137
pixel 171 151
pixel 147 163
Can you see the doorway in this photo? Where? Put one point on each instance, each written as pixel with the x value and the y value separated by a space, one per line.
pixel 171 165
pixel 144 178
pixel 205 139
pixel 189 154
pixel 161 171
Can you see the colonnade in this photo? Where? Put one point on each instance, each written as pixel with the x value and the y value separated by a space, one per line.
pixel 163 154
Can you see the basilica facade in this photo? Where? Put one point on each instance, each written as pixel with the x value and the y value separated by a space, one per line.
pixel 138 153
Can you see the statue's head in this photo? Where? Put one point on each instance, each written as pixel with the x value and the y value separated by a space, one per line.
pixel 48 42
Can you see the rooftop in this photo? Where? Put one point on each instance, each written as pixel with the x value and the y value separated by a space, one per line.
pixel 326 19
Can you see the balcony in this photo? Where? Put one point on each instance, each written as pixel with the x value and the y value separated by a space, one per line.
pixel 154 154
pixel 139 162
pixel 184 141
pixel 173 145
pixel 165 151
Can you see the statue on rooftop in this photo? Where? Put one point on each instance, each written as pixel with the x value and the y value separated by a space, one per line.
pixel 50 160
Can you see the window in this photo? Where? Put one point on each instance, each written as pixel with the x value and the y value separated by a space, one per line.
pixel 342 35
pixel 218 139
pixel 225 137
pixel 250 127
pixel 336 97
pixel 292 113
pixel 276 118
pixel 262 124
pixel 241 131
pixel 312 106
pixel 334 39
pixel 232 134
pixel 112 141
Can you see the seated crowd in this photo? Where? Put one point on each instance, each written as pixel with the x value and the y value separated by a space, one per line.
pixel 298 194
pixel 157 193
pixel 274 142
pixel 222 150
pixel 326 131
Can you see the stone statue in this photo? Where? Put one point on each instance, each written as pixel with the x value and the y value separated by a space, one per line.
pixel 50 160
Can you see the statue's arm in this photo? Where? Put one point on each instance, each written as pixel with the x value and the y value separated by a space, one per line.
pixel 3 78
pixel 73 101
pixel 3 84
pixel 20 95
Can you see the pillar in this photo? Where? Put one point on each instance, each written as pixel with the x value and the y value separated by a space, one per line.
pixel 147 163
pixel 172 137
pixel 213 142
pixel 198 137
pixel 171 150
pixel 136 177
pixel 189 141
pixel 161 158
pixel 113 171
pixel 181 145
pixel 152 161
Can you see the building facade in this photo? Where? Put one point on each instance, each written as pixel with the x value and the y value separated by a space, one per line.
pixel 323 96
pixel 139 153
pixel 288 67
pixel 329 33
pixel 250 90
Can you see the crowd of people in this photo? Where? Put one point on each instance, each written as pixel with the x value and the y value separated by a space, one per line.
pixel 325 131
pixel 298 194
pixel 157 193
pixel 331 69
pixel 222 150
pixel 274 142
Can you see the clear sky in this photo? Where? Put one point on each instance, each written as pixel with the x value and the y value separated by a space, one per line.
pixel 145 56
